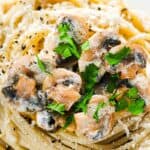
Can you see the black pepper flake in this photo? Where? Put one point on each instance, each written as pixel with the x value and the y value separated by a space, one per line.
pixel 33 46
pixel 41 18
pixel 30 36
pixel 99 8
pixel 3 71
pixel 39 8
pixel 23 47
pixel 16 42
pixel 8 147
pixel 54 140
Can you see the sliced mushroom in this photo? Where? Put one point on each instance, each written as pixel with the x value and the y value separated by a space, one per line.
pixel 9 92
pixel 78 26
pixel 110 42
pixel 33 104
pixel 133 64
pixel 88 126
pixel 63 86
pixel 26 87
pixel 46 120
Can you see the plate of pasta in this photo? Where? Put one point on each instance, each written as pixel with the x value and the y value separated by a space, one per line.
pixel 74 74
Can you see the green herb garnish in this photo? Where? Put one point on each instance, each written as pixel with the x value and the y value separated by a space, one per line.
pixel 112 84
pixel 85 46
pixel 131 101
pixel 60 108
pixel 64 50
pixel 136 107
pixel 112 99
pixel 90 76
pixel 100 106
pixel 41 65
pixel 132 93
pixel 116 58
pixel 67 47
pixel 63 28
pixel 121 104
pixel 90 79
pixel 82 104
pixel 69 120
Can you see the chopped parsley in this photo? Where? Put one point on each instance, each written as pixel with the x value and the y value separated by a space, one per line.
pixel 41 65
pixel 60 108
pixel 90 79
pixel 82 104
pixel 131 101
pixel 69 120
pixel 116 58
pixel 85 46
pixel 112 84
pixel 132 93
pixel 64 50
pixel 136 107
pixel 63 28
pixel 112 99
pixel 90 76
pixel 121 104
pixel 67 47
pixel 96 113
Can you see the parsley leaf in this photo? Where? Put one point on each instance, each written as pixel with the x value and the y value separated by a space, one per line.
pixel 121 104
pixel 136 106
pixel 96 115
pixel 112 84
pixel 132 93
pixel 85 46
pixel 67 47
pixel 60 108
pixel 90 79
pixel 41 65
pixel 82 104
pixel 69 120
pixel 64 50
pixel 90 76
pixel 112 99
pixel 63 28
pixel 131 101
pixel 114 59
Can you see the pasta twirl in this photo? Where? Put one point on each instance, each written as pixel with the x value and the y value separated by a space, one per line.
pixel 73 75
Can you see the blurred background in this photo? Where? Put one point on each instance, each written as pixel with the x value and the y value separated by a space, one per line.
pixel 142 5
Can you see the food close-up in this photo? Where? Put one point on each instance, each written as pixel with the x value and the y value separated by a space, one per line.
pixel 74 75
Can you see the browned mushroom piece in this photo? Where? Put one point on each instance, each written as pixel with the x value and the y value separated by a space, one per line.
pixel 95 129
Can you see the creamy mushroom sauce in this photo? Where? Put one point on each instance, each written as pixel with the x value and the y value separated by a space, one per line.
pixel 32 86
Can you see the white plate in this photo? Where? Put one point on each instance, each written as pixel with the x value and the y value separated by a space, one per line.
pixel 142 5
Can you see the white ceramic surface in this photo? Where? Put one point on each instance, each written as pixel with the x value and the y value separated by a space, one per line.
pixel 142 5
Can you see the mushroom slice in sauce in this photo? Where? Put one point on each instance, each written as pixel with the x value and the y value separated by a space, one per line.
pixel 87 125
pixel 133 64
pixel 46 120
pixel 26 87
pixel 63 86
pixel 79 29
